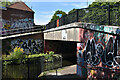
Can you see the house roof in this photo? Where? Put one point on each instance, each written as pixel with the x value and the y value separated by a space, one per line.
pixel 21 6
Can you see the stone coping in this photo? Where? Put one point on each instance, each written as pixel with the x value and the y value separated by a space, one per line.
pixel 18 35
pixel 90 26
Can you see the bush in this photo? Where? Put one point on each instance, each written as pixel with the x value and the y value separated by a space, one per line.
pixel 18 57
pixel 49 56
pixel 15 57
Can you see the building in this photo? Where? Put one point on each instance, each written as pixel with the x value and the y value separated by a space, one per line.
pixel 17 15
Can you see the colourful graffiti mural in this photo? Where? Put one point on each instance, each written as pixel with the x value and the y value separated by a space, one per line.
pixel 103 28
pixel 15 24
pixel 99 53
pixel 29 46
pixel 94 53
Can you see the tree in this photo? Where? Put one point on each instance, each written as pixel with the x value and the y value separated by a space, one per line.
pixel 96 4
pixel 16 1
pixel 71 11
pixel 55 17
pixel 100 15
pixel 6 3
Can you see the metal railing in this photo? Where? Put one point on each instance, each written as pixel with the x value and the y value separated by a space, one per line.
pixel 101 15
pixel 21 30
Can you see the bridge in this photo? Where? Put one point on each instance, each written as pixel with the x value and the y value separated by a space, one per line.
pixel 96 41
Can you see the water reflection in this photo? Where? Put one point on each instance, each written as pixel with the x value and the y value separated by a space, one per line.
pixel 21 71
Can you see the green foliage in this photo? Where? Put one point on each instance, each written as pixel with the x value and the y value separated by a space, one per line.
pixel 42 74
pixel 99 15
pixel 17 57
pixel 6 3
pixel 55 17
pixel 96 15
pixel 16 0
pixel 35 55
pixel 73 10
pixel 96 4
pixel 49 56
pixel 17 54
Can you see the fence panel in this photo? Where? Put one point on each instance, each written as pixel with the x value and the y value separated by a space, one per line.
pixel 98 15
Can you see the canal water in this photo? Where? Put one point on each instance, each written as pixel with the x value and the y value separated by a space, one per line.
pixel 21 71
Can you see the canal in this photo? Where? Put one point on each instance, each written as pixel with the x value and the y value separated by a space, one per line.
pixel 21 71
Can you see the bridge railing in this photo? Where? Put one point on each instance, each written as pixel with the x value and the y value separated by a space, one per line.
pixel 101 15
pixel 51 25
pixel 21 30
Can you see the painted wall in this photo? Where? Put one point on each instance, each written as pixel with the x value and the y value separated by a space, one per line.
pixel 96 51
pixel 15 24
pixel 16 19
pixel 33 43
pixel 29 46
pixel 70 32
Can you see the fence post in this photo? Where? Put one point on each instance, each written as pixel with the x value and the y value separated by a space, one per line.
pixel 77 15
pixel 55 23
pixel 63 20
pixel 42 59
pixel 109 15
pixel 118 15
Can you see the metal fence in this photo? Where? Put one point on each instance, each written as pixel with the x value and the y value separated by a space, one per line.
pixel 101 15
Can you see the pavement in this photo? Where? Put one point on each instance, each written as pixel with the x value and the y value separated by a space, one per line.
pixel 66 73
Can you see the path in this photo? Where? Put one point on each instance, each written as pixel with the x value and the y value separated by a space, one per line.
pixel 65 73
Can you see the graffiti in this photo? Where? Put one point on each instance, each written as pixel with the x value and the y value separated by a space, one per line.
pixel 100 52
pixel 29 46
pixel 89 53
pixel 81 67
pixel 1 25
pixel 108 29
pixel 17 15
pixel 118 31
pixel 94 53
pixel 14 24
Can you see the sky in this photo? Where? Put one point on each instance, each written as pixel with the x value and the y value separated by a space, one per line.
pixel 45 10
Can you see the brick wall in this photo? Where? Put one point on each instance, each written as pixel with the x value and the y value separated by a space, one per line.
pixel 15 19
pixel 36 43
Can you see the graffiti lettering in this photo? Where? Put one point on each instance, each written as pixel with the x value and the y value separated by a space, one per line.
pixel 21 23
pixel 94 53
pixel 29 46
